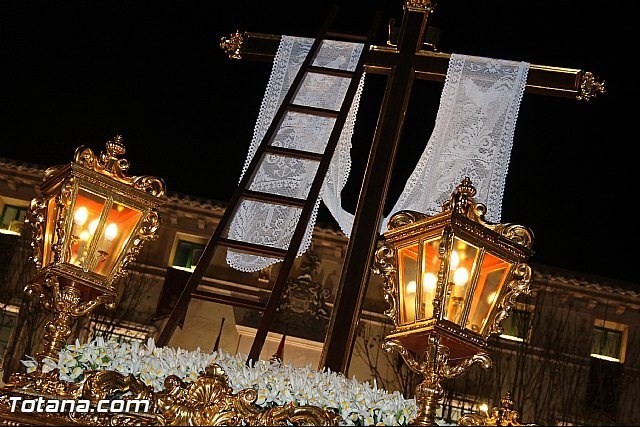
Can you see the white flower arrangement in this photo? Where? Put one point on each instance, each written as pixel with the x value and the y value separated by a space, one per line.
pixel 277 384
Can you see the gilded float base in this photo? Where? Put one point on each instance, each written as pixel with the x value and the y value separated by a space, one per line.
pixel 208 400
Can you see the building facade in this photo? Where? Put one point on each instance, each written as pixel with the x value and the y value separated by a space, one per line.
pixel 567 353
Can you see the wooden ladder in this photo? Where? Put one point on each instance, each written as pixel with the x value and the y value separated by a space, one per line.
pixel 307 205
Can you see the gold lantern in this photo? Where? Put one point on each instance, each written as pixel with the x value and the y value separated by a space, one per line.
pixel 90 222
pixel 450 279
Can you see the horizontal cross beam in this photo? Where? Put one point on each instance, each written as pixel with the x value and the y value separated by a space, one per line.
pixel 429 65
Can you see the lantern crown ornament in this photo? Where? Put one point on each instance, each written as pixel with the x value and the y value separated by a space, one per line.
pixel 89 224
pixel 450 280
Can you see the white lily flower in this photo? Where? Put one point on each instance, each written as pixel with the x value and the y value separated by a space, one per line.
pixel 357 403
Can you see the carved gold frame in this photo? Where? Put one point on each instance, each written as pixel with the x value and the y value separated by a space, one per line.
pixel 209 400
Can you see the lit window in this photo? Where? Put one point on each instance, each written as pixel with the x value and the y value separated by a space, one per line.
pixel 609 341
pixel 517 327
pixel 12 218
pixel 186 254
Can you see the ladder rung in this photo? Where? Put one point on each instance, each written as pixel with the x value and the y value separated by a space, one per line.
pixel 317 111
pixel 273 198
pixel 228 300
pixel 290 152
pixel 254 248
pixel 345 36
pixel 329 71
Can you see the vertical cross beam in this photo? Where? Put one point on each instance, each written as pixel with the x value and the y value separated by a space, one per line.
pixel 356 270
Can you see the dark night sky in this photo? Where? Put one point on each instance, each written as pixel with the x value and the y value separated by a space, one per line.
pixel 79 72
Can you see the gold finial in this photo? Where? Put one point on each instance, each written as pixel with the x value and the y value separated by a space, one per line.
pixel 506 401
pixel 590 87
pixel 425 5
pixel 232 44
pixel 109 160
pixel 462 197
pixel 115 146
pixel 466 187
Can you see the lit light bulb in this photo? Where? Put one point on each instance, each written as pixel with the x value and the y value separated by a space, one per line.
pixel 80 217
pixel 429 282
pixel 84 235
pixel 93 225
pixel 460 276
pixel 454 260
pixel 492 297
pixel 411 287
pixel 484 407
pixel 111 232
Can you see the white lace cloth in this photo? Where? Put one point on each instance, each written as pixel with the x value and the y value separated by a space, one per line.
pixel 472 136
pixel 270 224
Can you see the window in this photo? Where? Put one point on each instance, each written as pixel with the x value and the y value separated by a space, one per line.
pixel 609 341
pixel 608 347
pixel 12 218
pixel 186 254
pixel 517 327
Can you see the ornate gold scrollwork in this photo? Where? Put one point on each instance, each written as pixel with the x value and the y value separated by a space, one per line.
pixel 517 286
pixel 103 384
pixel 63 204
pixel 503 416
pixel 384 265
pixel 37 215
pixel 590 87
pixel 232 44
pixel 402 218
pixel 516 233
pixel 108 163
pixel 209 400
pixel 45 384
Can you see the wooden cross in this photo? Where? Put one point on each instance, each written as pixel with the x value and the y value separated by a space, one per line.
pixel 403 63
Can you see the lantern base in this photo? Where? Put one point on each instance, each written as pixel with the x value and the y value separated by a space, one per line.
pixel 64 298
pixel 435 367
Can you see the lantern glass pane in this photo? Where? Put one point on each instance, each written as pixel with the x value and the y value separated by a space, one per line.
pixel 492 276
pixel 408 279
pixel 430 267
pixel 50 234
pixel 120 224
pixel 85 224
pixel 461 268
